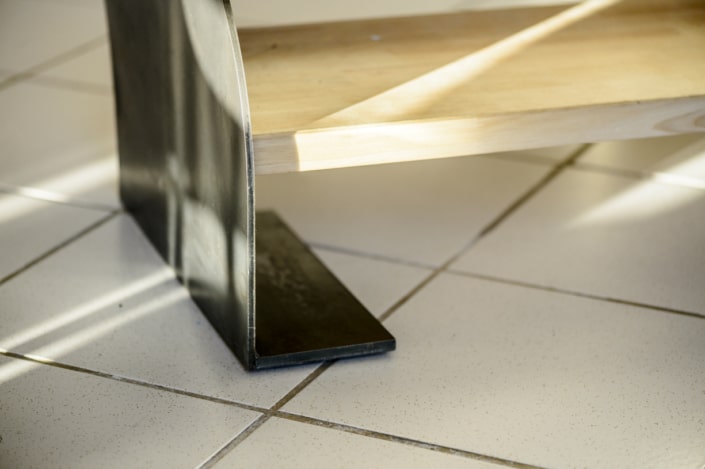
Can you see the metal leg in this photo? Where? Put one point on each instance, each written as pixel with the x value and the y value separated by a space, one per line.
pixel 187 177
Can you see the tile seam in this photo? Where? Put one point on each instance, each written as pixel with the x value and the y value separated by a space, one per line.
pixel 133 381
pixel 405 298
pixel 274 410
pixel 58 247
pixel 506 213
pixel 71 85
pixel 242 436
pixel 369 255
pixel 231 444
pixel 401 440
pixel 575 293
pixel 530 193
pixel 52 62
pixel 538 161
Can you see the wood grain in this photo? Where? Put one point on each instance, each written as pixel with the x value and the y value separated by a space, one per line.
pixel 365 92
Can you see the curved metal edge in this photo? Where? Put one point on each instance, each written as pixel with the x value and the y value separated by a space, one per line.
pixel 186 153
pixel 211 27
pixel 250 173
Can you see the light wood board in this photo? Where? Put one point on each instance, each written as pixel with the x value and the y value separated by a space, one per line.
pixel 379 91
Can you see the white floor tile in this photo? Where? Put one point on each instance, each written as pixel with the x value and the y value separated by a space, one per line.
pixel 58 140
pixel 92 68
pixel 62 419
pixel 377 284
pixel 528 376
pixel 681 157
pixel 94 4
pixel 604 235
pixel 423 211
pixel 295 445
pixel 108 303
pixel 31 227
pixel 32 31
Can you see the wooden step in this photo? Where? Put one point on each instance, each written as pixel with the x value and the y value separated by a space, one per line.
pixel 379 91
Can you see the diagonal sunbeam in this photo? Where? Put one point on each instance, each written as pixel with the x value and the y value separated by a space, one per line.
pixel 422 91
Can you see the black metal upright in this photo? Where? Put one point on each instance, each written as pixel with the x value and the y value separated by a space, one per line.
pixel 187 177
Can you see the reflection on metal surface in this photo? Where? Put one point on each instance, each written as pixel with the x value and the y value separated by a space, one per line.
pixel 187 176
pixel 185 165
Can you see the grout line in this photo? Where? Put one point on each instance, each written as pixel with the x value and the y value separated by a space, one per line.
pixel 537 160
pixel 534 286
pixel 123 379
pixel 67 84
pixel 53 197
pixel 402 440
pixel 302 385
pixel 53 62
pixel 368 255
pixel 242 436
pixel 275 409
pixel 570 162
pixel 61 245
pixel 489 228
pixel 404 299
pixel 534 190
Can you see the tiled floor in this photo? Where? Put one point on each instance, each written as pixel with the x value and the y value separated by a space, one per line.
pixel 548 305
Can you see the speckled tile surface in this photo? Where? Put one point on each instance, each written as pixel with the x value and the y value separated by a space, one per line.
pixel 679 159
pixel 118 309
pixel 92 70
pixel 569 334
pixel 527 375
pixel 423 212
pixel 308 446
pixel 604 235
pixel 376 283
pixel 32 227
pixel 33 32
pixel 59 140
pixel 51 417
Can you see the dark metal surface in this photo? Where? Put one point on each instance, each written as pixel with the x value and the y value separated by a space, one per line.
pixel 186 172
pixel 187 177
pixel 304 313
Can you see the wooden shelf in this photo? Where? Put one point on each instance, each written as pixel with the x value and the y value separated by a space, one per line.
pixel 378 91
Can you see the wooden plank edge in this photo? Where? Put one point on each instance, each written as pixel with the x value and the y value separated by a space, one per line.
pixel 369 144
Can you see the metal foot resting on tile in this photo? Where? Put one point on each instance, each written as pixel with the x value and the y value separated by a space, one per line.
pixel 187 177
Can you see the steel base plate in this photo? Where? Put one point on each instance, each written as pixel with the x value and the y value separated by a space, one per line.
pixel 304 313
